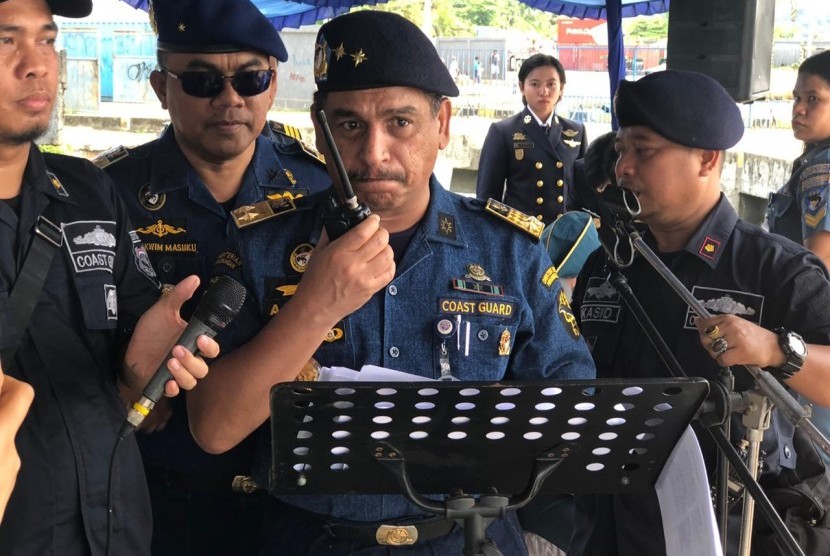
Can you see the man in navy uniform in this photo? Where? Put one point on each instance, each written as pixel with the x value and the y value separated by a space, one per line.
pixel 217 77
pixel 425 269
pixel 769 297
pixel 74 281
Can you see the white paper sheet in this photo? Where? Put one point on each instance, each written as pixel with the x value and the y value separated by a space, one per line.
pixel 689 522
pixel 368 373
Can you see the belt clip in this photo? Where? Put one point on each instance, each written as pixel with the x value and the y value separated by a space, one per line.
pixel 49 231
pixel 396 535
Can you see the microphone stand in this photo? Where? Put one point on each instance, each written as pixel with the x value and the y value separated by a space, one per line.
pixel 756 406
pixel 766 383
pixel 715 421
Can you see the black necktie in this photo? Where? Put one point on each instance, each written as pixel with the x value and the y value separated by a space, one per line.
pixel 547 129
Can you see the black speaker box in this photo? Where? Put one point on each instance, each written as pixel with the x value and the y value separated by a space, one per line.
pixel 728 40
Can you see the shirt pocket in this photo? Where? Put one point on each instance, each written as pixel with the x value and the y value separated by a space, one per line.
pixel 474 337
pixel 98 297
pixel 779 205
pixel 171 269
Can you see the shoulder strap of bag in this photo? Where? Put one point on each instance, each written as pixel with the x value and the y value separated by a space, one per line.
pixel 29 283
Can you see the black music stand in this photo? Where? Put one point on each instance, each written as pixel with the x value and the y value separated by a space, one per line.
pixel 461 439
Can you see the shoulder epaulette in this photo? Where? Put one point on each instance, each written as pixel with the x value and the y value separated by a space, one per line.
pixel 524 222
pixel 285 129
pixel 312 152
pixel 111 156
pixel 294 133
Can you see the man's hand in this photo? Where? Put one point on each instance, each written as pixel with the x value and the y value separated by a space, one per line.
pixel 15 399
pixel 155 335
pixel 732 340
pixel 344 274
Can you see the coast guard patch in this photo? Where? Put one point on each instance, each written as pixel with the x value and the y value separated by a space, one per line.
pixel 91 245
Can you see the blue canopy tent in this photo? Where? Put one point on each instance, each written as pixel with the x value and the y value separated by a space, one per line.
pixel 284 13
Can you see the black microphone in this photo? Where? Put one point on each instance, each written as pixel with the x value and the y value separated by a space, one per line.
pixel 218 307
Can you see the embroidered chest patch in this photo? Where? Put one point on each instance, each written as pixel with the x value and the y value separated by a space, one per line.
pixel 91 245
pixel 719 301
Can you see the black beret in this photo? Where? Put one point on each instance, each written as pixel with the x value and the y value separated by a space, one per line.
pixel 214 26
pixel 685 107
pixel 70 8
pixel 370 49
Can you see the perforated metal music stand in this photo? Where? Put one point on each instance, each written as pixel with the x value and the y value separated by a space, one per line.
pixel 498 440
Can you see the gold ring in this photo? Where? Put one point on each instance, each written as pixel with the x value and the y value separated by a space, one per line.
pixel 713 331
pixel 719 346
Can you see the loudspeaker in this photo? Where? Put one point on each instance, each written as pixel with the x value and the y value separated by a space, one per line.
pixel 728 40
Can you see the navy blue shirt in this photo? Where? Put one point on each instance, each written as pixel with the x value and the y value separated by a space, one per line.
pixel 799 209
pixel 185 230
pixel 98 285
pixel 732 267
pixel 528 168
pixel 522 330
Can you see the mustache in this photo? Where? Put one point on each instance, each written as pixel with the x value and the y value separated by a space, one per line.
pixel 376 176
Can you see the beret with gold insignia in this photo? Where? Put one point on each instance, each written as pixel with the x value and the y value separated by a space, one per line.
pixel 215 26
pixel 370 50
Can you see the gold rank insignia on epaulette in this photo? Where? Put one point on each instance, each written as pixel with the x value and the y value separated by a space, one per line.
pixel 312 152
pixel 525 222
pixel 274 205
pixel 285 129
pixel 111 156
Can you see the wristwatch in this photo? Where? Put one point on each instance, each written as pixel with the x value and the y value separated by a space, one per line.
pixel 795 350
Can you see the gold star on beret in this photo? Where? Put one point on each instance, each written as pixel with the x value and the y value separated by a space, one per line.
pixel 339 52
pixel 359 58
pixel 181 27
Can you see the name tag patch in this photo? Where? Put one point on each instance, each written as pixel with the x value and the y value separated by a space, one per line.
pixel 467 307
pixel 91 245
pixel 601 302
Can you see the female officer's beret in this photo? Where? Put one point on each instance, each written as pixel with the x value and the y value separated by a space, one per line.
pixel 370 49
pixel 685 107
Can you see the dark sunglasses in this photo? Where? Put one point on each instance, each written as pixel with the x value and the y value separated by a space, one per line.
pixel 208 84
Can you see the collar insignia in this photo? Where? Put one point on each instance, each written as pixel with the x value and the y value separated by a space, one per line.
pixel 709 248
pixel 56 183
pixel 446 225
